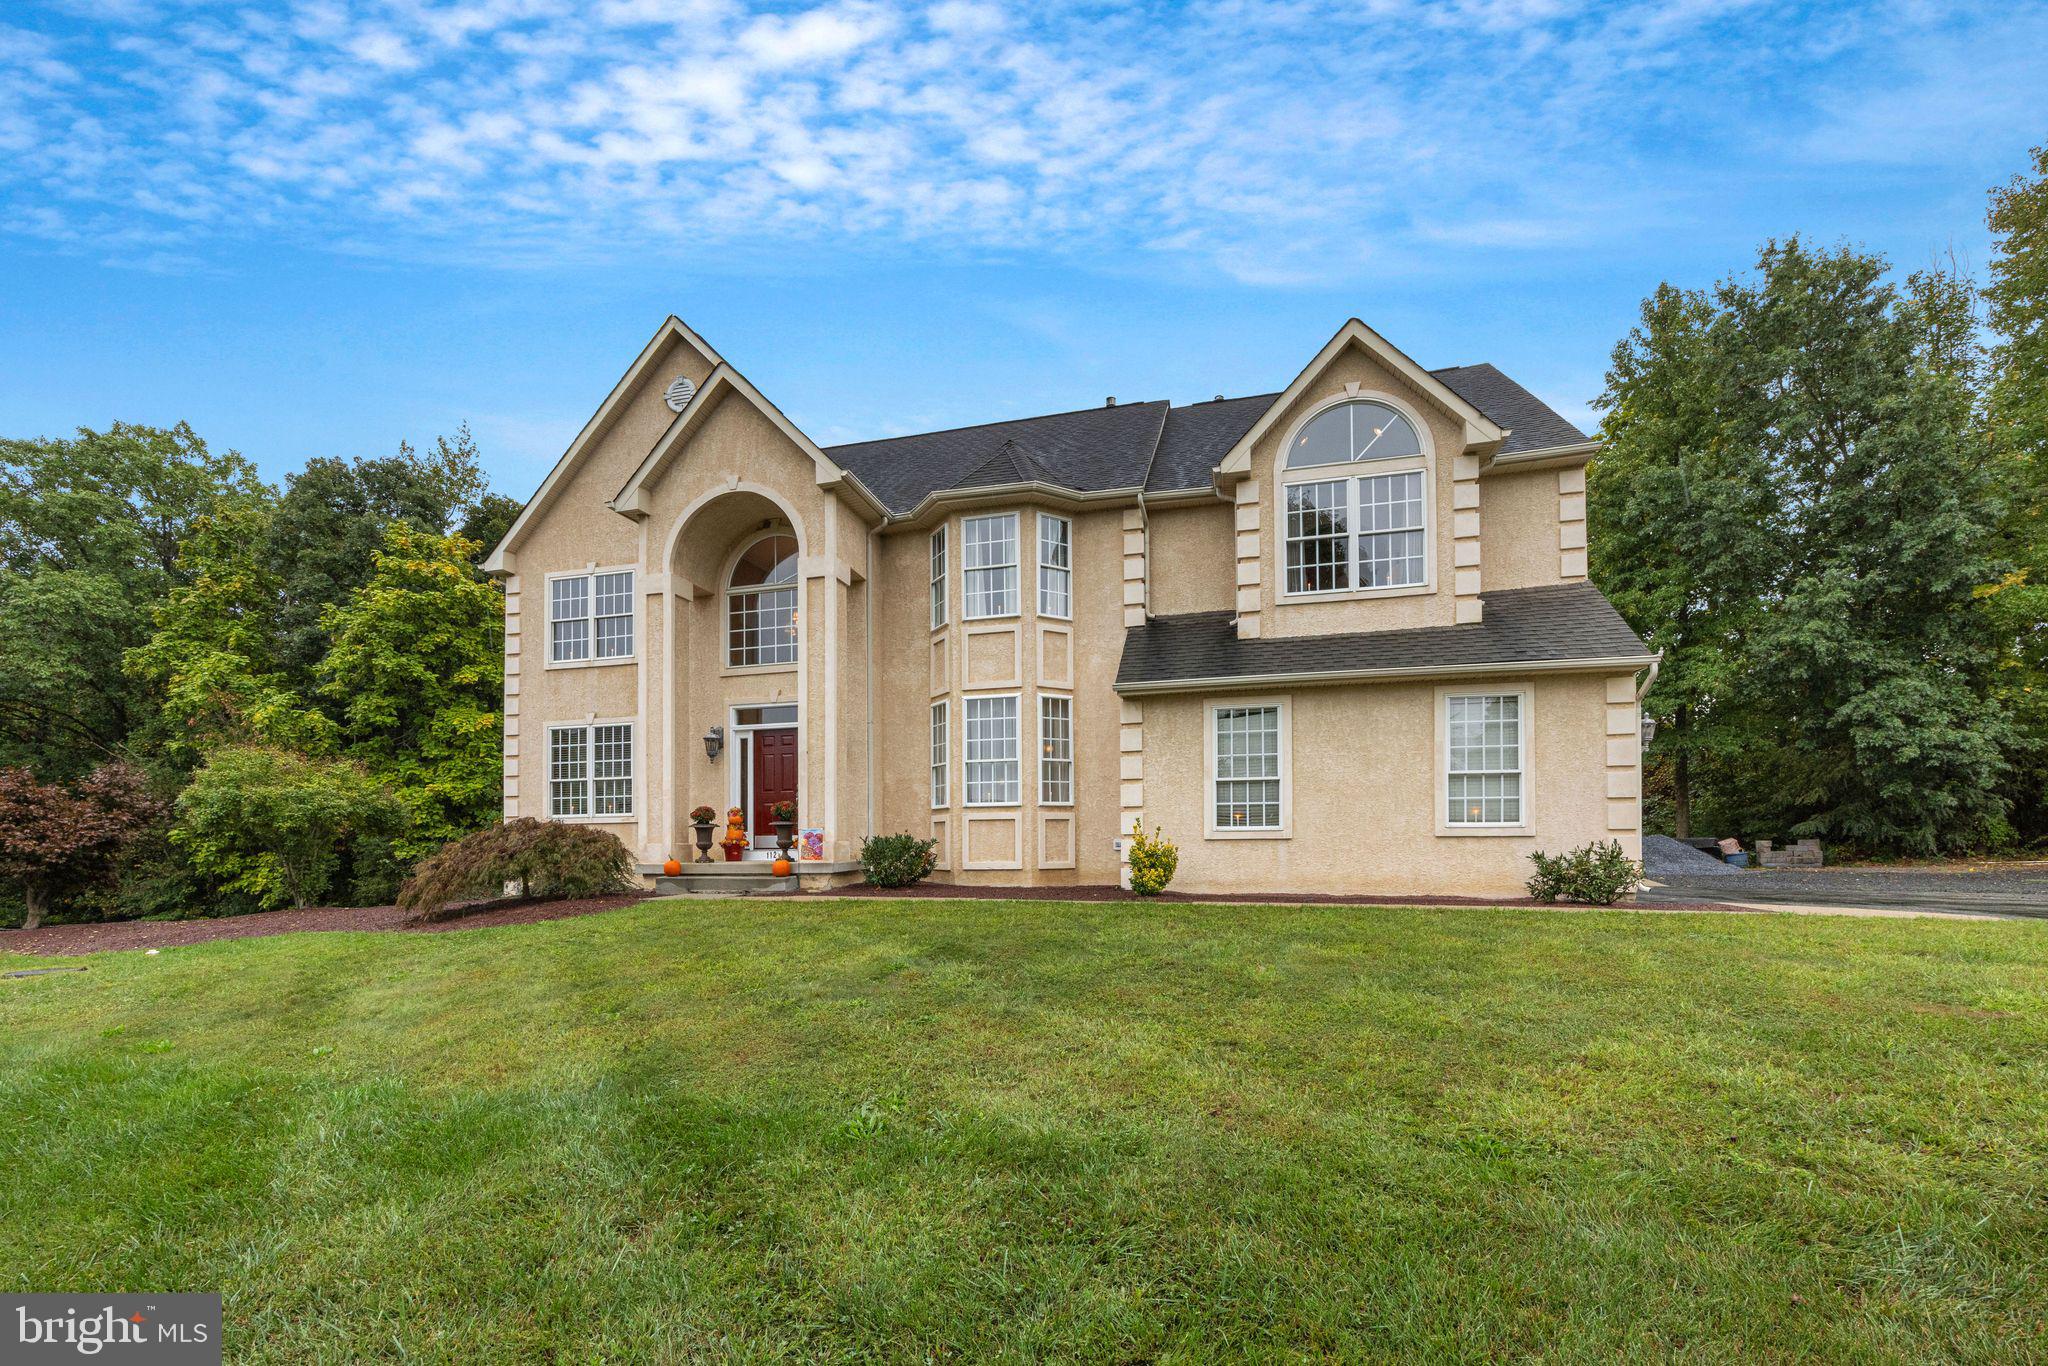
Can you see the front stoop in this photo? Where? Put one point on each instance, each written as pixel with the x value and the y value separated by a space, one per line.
pixel 745 878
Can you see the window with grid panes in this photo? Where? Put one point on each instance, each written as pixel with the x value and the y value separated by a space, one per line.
pixel 1055 750
pixel 1245 788
pixel 1055 566
pixel 989 557
pixel 760 605
pixel 1483 732
pixel 991 756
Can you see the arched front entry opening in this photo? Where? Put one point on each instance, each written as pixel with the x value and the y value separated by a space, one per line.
pixel 739 675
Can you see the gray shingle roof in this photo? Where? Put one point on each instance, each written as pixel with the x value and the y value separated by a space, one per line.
pixel 1520 626
pixel 1088 451
pixel 1534 424
pixel 1157 445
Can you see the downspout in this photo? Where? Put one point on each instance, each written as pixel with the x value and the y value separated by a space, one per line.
pixel 873 532
pixel 1650 679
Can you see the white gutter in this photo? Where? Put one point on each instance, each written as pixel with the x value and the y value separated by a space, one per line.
pixel 1511 666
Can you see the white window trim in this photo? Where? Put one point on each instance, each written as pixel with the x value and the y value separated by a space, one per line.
pixel 547 610
pixel 547 790
pixel 1015 565
pixel 1210 706
pixel 966 786
pixel 1073 749
pixel 1038 568
pixel 726 667
pixel 1445 827
pixel 939 767
pixel 941 550
pixel 1354 471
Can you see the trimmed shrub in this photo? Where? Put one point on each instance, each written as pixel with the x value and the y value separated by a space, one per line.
pixel 897 860
pixel 1154 860
pixel 282 826
pixel 1596 874
pixel 549 860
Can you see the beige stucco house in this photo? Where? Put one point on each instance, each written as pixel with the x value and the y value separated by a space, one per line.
pixel 1334 638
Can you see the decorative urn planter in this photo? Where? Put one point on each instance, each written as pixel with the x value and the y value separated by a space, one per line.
pixel 785 835
pixel 672 868
pixel 703 829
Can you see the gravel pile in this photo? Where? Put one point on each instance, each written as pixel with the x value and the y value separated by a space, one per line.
pixel 1664 856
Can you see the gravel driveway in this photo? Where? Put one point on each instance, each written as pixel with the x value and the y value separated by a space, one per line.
pixel 1989 889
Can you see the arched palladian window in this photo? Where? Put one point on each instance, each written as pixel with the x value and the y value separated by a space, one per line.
pixel 760 605
pixel 1361 532
pixel 1353 431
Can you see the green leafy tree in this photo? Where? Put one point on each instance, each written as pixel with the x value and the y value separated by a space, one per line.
pixel 1873 651
pixel 280 826
pixel 488 521
pixel 2017 294
pixel 330 524
pixel 213 656
pixel 90 530
pixel 416 675
pixel 1681 473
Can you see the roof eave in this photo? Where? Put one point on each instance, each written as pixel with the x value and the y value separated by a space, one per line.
pixel 1034 487
pixel 1549 457
pixel 1602 664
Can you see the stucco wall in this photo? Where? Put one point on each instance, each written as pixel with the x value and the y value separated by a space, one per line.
pixel 1192 552
pixel 1365 792
pixel 1519 529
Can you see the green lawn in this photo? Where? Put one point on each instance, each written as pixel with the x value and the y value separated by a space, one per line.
pixel 974 1130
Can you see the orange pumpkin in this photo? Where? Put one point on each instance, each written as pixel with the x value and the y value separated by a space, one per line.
pixel 672 868
pixel 783 867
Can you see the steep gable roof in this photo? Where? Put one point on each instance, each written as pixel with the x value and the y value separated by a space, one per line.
pixel 1532 424
pixel 672 329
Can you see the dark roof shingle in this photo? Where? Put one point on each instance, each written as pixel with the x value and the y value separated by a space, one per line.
pixel 1520 626
pixel 1155 445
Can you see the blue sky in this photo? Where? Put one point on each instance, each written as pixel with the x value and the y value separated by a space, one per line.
pixel 318 228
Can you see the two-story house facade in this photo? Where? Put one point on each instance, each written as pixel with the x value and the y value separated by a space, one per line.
pixel 1337 638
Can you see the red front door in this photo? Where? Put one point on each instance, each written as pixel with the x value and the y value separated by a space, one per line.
pixel 774 779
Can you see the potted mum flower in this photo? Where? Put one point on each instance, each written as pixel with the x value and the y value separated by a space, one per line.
pixel 782 815
pixel 702 818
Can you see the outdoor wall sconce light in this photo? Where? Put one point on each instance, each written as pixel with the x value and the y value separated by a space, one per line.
pixel 714 741
pixel 1649 730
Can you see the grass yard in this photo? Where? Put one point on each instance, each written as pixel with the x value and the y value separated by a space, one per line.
pixel 1029 1130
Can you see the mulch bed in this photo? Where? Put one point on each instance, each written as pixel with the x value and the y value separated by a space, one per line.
pixel 1109 891
pixel 65 940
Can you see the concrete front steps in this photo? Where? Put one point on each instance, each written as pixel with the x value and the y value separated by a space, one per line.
pixel 748 877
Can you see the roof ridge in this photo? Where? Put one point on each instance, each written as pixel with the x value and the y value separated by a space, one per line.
pixel 1001 422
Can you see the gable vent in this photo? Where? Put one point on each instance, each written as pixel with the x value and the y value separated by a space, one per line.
pixel 678 395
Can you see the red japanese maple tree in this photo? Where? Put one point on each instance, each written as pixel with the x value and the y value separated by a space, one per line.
pixel 58 839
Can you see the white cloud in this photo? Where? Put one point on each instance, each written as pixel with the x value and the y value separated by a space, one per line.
pixel 1276 142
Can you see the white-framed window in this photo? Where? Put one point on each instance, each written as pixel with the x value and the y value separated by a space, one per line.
pixel 1356 532
pixel 590 616
pixel 1055 566
pixel 938 578
pixel 760 605
pixel 1485 757
pixel 989 557
pixel 590 771
pixel 991 757
pixel 1055 750
pixel 942 754
pixel 1247 752
pixel 1361 533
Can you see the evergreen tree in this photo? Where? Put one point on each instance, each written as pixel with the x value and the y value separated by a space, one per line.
pixel 1680 479
pixel 1873 651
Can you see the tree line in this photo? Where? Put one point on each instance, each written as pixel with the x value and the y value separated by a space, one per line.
pixel 217 695
pixel 1824 497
